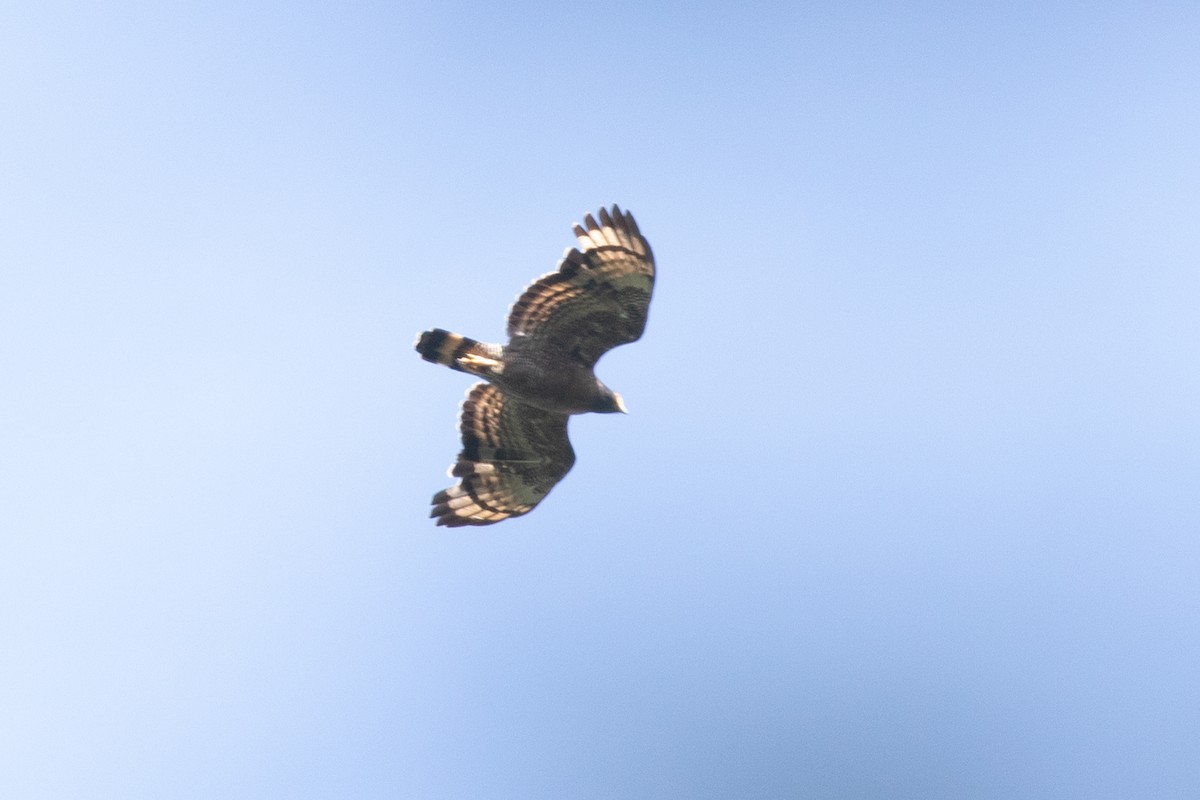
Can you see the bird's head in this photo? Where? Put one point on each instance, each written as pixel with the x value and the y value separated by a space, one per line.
pixel 606 401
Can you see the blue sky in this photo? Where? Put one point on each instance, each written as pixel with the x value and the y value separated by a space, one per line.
pixel 906 502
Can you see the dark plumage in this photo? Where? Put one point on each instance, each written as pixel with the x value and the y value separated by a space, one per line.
pixel 514 424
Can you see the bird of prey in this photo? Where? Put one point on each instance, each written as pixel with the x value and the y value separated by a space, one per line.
pixel 514 421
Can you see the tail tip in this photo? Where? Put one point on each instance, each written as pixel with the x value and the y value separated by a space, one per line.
pixel 428 343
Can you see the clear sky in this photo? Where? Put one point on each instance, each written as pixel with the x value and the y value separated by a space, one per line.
pixel 907 502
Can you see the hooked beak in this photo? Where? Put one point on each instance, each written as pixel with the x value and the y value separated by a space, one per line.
pixel 620 403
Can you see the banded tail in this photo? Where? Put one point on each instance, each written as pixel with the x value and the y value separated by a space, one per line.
pixel 458 352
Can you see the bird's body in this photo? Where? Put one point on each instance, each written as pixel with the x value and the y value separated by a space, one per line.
pixel 514 424
pixel 523 372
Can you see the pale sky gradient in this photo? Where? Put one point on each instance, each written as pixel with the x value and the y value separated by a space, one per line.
pixel 907 502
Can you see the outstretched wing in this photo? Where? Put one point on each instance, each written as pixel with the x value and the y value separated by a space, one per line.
pixel 512 456
pixel 597 298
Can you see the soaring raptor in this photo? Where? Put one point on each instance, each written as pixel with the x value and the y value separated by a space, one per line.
pixel 514 422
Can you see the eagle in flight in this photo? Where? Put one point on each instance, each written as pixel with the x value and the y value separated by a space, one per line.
pixel 514 421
